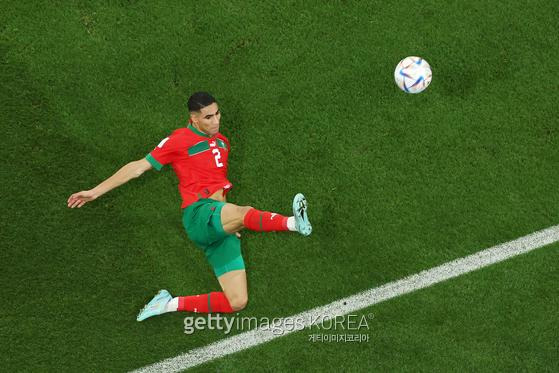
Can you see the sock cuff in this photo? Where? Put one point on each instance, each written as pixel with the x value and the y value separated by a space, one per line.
pixel 220 302
pixel 284 223
pixel 248 216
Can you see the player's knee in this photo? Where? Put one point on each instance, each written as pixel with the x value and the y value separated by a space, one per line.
pixel 238 302
pixel 243 210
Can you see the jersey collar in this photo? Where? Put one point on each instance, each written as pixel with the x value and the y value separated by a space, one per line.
pixel 200 133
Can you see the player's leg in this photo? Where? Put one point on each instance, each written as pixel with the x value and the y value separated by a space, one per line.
pixel 223 251
pixel 234 285
pixel 164 302
pixel 234 218
pixel 227 262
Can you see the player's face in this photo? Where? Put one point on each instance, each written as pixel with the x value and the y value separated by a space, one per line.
pixel 207 120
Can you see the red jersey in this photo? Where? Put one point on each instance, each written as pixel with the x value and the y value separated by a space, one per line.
pixel 199 160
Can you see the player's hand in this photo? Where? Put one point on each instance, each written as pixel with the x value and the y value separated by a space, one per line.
pixel 238 234
pixel 81 198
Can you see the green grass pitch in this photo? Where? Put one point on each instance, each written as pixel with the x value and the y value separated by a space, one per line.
pixel 396 183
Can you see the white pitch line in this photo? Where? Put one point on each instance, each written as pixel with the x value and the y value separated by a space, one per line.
pixel 358 301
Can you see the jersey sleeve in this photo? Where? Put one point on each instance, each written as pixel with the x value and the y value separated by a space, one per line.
pixel 164 152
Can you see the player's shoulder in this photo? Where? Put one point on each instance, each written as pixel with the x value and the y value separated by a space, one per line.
pixel 183 135
pixel 224 138
pixel 180 132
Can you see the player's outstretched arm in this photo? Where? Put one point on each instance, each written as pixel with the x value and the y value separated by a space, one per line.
pixel 130 171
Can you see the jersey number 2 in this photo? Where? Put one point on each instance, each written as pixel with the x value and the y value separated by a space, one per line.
pixel 217 157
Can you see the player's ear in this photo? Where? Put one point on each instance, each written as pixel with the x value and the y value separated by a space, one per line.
pixel 193 118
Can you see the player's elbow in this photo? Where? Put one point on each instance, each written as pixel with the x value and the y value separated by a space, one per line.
pixel 137 173
pixel 139 167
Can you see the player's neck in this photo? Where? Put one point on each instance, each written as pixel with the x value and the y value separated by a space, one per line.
pixel 199 129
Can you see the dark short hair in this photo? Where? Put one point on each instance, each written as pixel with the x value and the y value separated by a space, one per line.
pixel 199 100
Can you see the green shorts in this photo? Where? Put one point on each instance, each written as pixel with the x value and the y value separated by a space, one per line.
pixel 202 222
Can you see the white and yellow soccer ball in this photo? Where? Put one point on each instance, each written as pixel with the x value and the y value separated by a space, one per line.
pixel 413 74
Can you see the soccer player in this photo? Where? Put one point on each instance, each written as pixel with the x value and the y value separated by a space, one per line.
pixel 198 155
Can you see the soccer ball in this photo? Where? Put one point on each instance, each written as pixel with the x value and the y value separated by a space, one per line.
pixel 413 74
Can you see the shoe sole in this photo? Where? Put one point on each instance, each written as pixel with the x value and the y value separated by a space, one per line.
pixel 307 227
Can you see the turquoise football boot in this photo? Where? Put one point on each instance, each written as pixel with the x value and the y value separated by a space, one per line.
pixel 300 213
pixel 156 306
